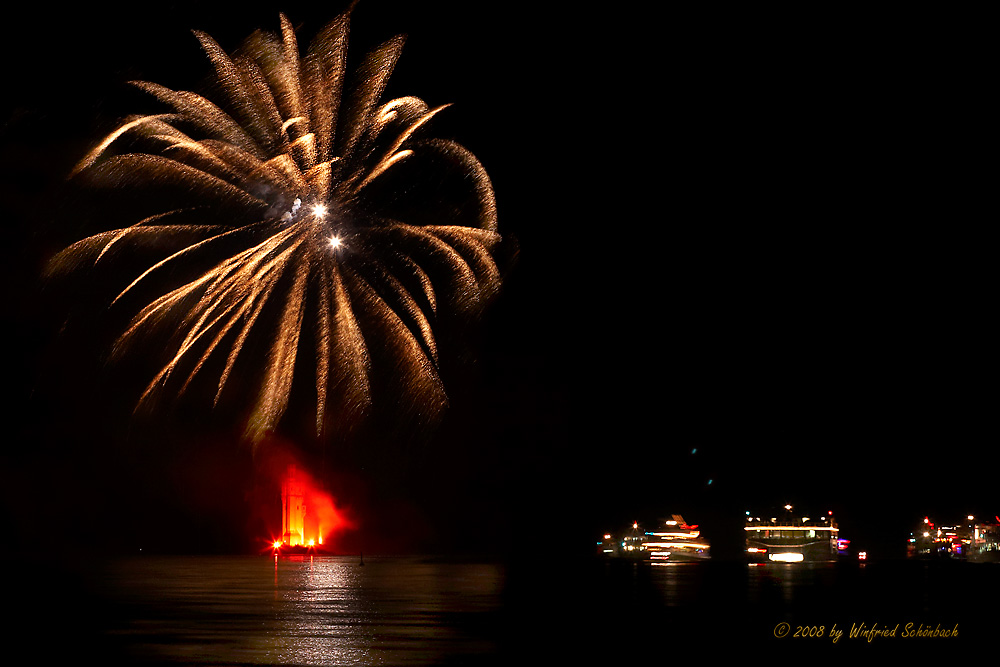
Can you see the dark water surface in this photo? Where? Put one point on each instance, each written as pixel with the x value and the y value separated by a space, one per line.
pixel 794 610
pixel 219 610
pixel 306 610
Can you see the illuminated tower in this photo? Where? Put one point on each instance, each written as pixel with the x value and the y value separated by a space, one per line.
pixel 293 509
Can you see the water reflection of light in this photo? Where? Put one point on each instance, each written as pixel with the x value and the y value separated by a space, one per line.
pixel 297 610
pixel 334 612
pixel 679 583
pixel 324 617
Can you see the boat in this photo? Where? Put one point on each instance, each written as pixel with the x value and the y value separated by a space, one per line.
pixel 973 540
pixel 668 540
pixel 985 546
pixel 788 536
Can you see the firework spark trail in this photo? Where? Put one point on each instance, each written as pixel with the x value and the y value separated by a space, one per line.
pixel 290 168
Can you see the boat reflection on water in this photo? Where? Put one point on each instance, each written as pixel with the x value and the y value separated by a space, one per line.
pixel 672 540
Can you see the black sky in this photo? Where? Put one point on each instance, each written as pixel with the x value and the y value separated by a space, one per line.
pixel 750 253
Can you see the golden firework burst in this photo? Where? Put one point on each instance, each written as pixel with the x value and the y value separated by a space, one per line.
pixel 316 216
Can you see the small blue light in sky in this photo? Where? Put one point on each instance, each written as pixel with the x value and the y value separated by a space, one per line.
pixel 709 481
pixel 694 451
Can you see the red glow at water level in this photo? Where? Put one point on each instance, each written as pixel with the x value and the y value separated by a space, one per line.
pixel 309 516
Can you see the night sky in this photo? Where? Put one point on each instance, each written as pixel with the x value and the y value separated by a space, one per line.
pixel 750 270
